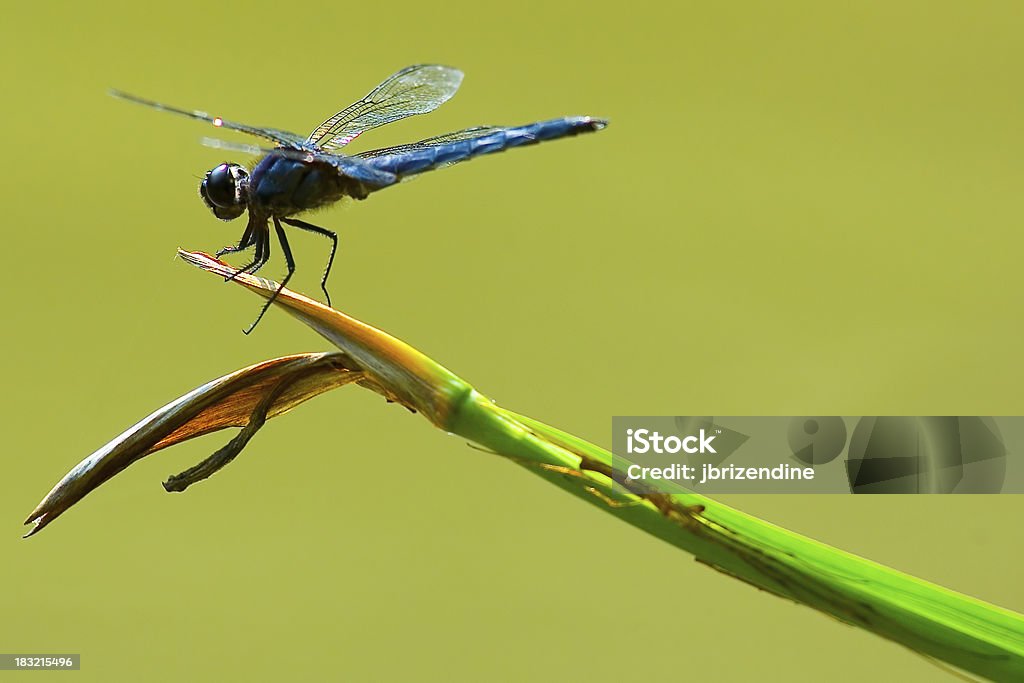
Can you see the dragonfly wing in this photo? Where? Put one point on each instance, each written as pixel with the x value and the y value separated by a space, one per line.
pixel 413 90
pixel 359 169
pixel 279 137
pixel 258 150
pixel 467 134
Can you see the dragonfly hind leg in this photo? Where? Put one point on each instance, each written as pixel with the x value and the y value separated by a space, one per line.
pixel 287 251
pixel 333 236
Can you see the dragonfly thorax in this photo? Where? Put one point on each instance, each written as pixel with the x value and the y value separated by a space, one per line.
pixel 225 190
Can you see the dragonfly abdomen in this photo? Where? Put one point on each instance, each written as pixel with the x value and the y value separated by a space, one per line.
pixel 413 160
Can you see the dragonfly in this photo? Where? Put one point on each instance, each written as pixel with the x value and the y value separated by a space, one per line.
pixel 297 174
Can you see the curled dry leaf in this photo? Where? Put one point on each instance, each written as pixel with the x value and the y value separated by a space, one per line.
pixel 248 397
pixel 264 390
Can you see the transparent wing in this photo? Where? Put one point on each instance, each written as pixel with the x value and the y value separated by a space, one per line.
pixel 413 90
pixel 436 141
pixel 350 167
pixel 280 137
pixel 258 150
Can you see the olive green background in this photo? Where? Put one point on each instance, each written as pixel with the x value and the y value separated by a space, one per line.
pixel 798 209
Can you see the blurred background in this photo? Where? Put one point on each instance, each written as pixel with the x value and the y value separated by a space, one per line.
pixel 799 208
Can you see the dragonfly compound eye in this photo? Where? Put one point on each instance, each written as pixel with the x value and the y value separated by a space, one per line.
pixel 223 190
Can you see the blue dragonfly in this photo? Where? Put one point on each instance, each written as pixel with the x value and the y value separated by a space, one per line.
pixel 298 174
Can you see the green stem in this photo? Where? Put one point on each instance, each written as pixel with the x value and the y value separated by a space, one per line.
pixel 949 626
pixel 967 633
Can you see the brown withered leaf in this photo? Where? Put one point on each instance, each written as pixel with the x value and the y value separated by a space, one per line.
pixel 259 392
pixel 247 398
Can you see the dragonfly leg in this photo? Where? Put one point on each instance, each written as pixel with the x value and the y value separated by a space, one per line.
pixel 248 239
pixel 287 251
pixel 302 225
pixel 262 241
pixel 262 259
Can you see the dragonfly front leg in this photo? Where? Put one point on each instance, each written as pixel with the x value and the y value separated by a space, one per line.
pixel 248 239
pixel 287 251
pixel 302 225
pixel 262 241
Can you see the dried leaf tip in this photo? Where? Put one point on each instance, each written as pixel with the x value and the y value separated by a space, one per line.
pixel 246 399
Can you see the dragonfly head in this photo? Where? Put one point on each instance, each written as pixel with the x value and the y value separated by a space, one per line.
pixel 225 190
